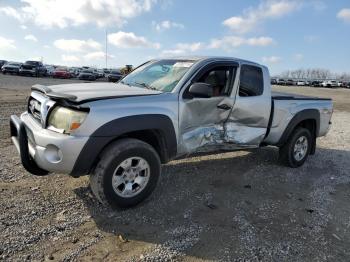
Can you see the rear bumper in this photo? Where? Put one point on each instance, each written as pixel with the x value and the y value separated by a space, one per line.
pixel 44 150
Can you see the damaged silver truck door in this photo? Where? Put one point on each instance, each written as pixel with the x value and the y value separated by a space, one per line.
pixel 202 116
pixel 248 121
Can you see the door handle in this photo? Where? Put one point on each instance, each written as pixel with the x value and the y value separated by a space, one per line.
pixel 224 107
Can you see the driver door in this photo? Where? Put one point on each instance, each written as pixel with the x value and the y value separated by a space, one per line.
pixel 201 120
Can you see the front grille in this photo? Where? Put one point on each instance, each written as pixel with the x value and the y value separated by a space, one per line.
pixel 34 108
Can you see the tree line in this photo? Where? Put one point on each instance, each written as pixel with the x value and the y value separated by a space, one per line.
pixel 313 73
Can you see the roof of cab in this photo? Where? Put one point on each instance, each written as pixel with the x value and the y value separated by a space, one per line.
pixel 211 58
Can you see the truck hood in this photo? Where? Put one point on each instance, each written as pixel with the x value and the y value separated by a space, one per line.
pixel 84 92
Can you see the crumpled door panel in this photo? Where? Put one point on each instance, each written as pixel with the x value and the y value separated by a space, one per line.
pixel 203 137
pixel 243 136
pixel 208 128
pixel 202 123
pixel 248 121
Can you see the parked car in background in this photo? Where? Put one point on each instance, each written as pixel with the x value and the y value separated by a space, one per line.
pixel 94 72
pixel 87 75
pixel 61 72
pixel 100 73
pixel 49 70
pixel 290 82
pixel 106 71
pixel 316 83
pixel 114 76
pixel 329 83
pixel 301 83
pixel 33 68
pixel 334 83
pixel 74 71
pixel 281 81
pixel 343 84
pixel 2 62
pixel 11 68
pixel 273 81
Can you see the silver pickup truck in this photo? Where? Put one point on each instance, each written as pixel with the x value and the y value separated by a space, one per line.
pixel 121 133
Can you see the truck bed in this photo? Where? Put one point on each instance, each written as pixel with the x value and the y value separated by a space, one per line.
pixel 288 96
pixel 285 106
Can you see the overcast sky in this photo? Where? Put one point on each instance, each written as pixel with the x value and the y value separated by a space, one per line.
pixel 283 34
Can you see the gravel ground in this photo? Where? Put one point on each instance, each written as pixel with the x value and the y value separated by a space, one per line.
pixel 239 206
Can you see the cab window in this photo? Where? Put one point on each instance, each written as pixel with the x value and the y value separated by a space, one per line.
pixel 251 82
pixel 220 78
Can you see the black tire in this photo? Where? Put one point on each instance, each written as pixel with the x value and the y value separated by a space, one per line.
pixel 286 152
pixel 111 158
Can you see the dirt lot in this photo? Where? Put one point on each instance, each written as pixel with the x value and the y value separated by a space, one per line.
pixel 235 206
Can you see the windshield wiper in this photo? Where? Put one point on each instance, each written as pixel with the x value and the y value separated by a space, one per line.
pixel 146 86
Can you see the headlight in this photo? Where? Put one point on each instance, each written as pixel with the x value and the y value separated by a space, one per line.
pixel 66 119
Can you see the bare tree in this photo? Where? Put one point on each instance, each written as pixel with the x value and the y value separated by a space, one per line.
pixel 313 73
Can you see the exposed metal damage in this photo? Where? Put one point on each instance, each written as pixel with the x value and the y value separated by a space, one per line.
pixel 243 135
pixel 199 138
pixel 228 136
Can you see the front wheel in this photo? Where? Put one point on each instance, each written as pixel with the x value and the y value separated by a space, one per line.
pixel 127 173
pixel 295 152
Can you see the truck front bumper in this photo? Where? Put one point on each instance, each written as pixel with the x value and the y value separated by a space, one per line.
pixel 41 150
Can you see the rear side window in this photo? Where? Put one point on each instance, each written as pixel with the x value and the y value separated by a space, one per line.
pixel 251 81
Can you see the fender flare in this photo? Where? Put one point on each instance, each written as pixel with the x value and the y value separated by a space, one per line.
pixel 122 126
pixel 307 114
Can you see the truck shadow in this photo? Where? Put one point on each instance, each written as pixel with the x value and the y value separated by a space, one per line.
pixel 230 205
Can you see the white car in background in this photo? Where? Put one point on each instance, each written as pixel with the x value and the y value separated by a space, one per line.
pixel 301 83
pixel 341 84
pixel 329 83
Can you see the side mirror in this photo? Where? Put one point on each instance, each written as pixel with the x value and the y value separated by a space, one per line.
pixel 202 90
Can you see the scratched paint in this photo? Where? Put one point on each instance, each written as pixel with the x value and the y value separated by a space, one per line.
pixel 226 136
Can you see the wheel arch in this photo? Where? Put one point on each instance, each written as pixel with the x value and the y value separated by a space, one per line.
pixel 308 118
pixel 156 130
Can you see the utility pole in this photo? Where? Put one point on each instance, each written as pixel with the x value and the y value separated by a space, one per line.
pixel 106 51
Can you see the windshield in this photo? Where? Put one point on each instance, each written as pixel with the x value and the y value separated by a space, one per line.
pixel 86 72
pixel 162 75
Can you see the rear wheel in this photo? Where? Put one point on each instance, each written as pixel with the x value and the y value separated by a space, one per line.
pixel 295 152
pixel 126 174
